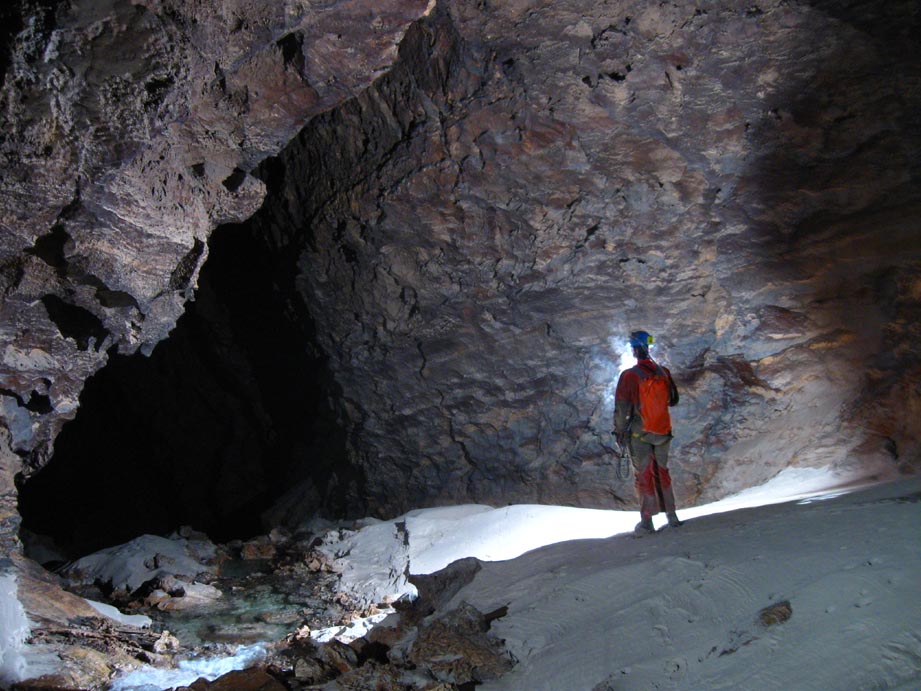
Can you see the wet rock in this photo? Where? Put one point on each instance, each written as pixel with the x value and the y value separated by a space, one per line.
pixel 455 647
pixel 243 680
pixel 166 643
pixel 44 598
pixel 280 617
pixel 369 676
pixel 125 568
pixel 309 670
pixel 314 563
pixel 436 589
pixel 258 549
pixel 88 646
pixel 184 595
pixel 279 535
pixel 156 598
pixel 338 656
pixel 775 614
pixel 57 682
pixel 189 533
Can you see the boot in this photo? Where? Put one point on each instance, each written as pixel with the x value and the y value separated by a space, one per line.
pixel 644 527
pixel 673 519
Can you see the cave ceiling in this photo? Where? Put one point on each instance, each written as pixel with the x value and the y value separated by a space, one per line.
pixel 471 204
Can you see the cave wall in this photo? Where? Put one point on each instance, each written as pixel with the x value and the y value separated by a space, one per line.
pixel 478 220
pixel 129 130
pixel 210 430
pixel 482 228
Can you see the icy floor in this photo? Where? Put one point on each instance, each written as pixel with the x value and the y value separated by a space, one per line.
pixel 680 610
pixel 377 557
pixel 591 609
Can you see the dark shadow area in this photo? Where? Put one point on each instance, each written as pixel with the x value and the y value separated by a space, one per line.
pixel 893 24
pixel 224 417
pixel 834 199
pixel 232 424
pixel 12 23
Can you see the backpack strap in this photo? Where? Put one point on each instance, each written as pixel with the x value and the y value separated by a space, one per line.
pixel 644 373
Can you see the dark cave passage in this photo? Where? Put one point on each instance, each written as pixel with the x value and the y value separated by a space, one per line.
pixel 225 416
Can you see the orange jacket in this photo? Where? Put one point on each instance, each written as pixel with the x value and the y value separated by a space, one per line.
pixel 627 396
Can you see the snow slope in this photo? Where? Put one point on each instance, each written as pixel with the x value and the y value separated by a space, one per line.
pixel 680 609
pixel 593 608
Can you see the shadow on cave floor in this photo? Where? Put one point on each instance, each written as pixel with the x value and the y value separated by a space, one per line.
pixel 223 418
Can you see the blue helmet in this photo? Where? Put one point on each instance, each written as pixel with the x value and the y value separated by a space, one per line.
pixel 641 339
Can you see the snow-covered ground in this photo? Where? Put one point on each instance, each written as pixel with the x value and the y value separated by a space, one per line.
pixel 375 559
pixel 599 610
pixel 593 608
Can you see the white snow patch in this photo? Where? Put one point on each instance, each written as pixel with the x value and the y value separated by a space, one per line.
pixel 350 632
pixel 129 566
pixel 680 610
pixel 14 630
pixel 138 620
pixel 372 561
pixel 437 538
pixel 375 560
pixel 151 679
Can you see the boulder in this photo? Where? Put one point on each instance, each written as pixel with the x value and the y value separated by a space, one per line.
pixel 254 679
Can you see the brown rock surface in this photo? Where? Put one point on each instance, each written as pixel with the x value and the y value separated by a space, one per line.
pixel 129 130
pixel 480 229
pixel 243 680
pixel 472 236
pixel 129 133
pixel 457 648
pixel 775 614
pixel 86 648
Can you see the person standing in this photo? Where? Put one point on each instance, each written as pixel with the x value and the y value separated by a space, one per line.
pixel 641 420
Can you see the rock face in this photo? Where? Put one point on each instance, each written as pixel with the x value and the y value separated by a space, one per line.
pixel 480 230
pixel 468 240
pixel 129 130
pixel 458 210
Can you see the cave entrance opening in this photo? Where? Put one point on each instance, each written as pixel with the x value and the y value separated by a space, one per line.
pixel 225 426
